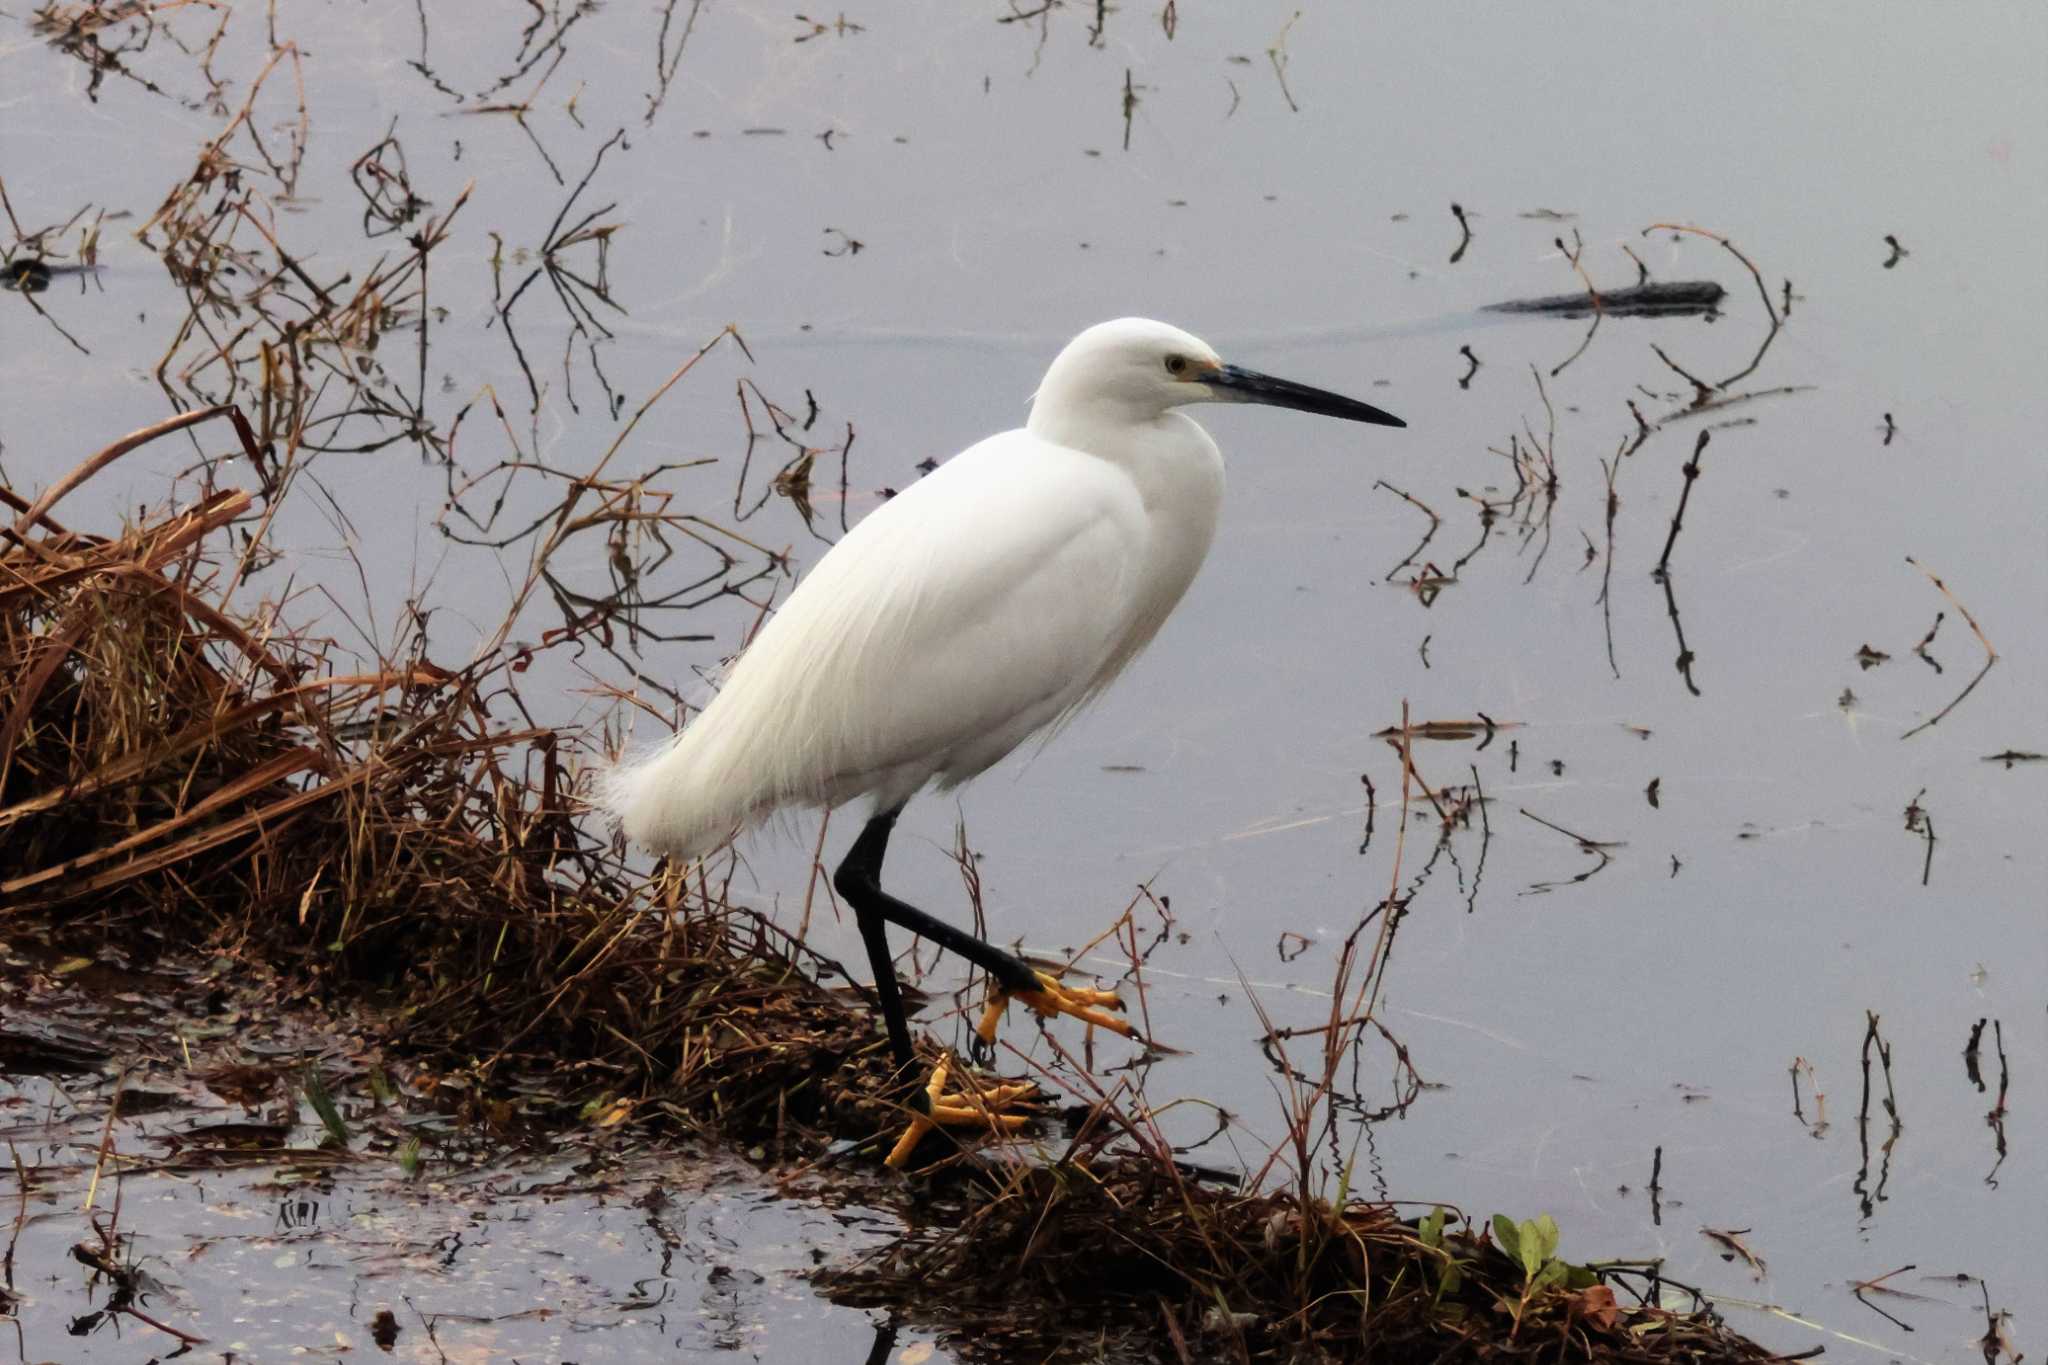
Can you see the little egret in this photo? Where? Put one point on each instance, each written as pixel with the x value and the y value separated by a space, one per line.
pixel 988 601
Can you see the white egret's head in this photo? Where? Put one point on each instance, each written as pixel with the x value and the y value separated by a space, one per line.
pixel 1134 369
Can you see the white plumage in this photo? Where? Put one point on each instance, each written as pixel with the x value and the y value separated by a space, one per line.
pixel 981 604
pixel 985 602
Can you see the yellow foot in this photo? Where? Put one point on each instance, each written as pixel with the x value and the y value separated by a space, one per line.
pixel 1083 1002
pixel 961 1108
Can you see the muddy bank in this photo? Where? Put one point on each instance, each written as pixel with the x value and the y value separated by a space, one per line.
pixel 210 1162
pixel 177 1190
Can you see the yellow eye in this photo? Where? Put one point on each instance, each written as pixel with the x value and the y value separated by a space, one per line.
pixel 1176 364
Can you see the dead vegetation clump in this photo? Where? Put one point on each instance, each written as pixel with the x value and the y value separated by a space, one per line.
pixel 166 757
pixel 1135 1255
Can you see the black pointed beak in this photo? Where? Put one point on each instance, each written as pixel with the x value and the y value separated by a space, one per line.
pixel 1249 386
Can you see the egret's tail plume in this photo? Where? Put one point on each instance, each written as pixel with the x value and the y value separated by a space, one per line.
pixel 663 803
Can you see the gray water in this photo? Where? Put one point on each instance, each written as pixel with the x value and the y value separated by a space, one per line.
pixel 242 1225
pixel 1752 917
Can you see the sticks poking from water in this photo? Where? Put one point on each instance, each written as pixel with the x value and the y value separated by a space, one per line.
pixel 1643 429
pixel 1277 55
pixel 1606 599
pixel 28 269
pixel 519 109
pixel 1762 290
pixel 1485 835
pixel 302 355
pixel 1598 848
pixel 1547 484
pixel 1731 1240
pixel 1692 472
pixel 1869 657
pixel 1465 227
pixel 1876 1285
pixel 1686 658
pixel 1819 1125
pixel 1919 822
pixel 1996 1341
pixel 669 59
pixel 1435 521
pixel 1573 254
pixel 1702 391
pixel 793 478
pixel 1990 654
pixel 1465 380
pixel 1995 1120
pixel 1868 1198
pixel 576 292
pixel 1699 409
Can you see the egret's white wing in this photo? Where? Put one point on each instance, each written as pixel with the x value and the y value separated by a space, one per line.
pixel 944 628
pixel 958 618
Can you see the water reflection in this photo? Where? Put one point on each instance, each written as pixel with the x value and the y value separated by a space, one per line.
pixel 884 1344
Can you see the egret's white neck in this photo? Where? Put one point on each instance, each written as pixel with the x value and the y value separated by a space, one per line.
pixel 1095 419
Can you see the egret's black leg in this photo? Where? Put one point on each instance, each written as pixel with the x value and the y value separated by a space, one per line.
pixel 859 881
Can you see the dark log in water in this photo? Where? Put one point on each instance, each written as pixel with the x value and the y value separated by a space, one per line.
pixel 1680 298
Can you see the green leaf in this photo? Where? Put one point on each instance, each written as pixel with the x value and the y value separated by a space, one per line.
pixel 409 1157
pixel 1582 1277
pixel 1505 1237
pixel 1529 1242
pixel 1546 1230
pixel 1431 1228
pixel 1552 1272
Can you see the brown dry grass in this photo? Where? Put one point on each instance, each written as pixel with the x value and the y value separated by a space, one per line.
pixel 223 778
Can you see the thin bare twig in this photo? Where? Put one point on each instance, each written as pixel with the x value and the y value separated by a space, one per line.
pixel 1990 654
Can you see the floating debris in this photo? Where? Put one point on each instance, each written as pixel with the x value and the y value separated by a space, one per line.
pixel 1677 298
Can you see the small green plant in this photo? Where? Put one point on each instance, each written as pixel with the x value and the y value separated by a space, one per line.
pixel 1533 1242
pixel 1430 1230
pixel 409 1157
pixel 323 1105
